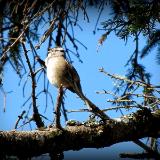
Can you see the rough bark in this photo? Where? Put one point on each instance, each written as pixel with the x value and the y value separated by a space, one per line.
pixel 129 128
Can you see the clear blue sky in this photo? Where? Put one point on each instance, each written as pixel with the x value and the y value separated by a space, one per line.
pixel 112 56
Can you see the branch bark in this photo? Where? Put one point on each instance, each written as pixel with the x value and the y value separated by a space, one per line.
pixel 129 128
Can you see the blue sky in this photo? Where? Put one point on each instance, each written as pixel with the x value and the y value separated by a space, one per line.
pixel 112 56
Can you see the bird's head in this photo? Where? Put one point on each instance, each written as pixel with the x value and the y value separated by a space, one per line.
pixel 56 52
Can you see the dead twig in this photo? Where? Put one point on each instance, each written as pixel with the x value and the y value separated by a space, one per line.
pixel 19 118
pixel 122 78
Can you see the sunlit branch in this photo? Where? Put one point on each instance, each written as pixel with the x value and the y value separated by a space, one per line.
pixel 125 79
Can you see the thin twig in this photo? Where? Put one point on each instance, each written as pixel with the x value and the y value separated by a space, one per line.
pixel 120 100
pixel 47 33
pixel 15 42
pixel 36 115
pixel 19 118
pixel 143 95
pixel 104 110
pixel 78 110
pixel 4 98
pixel 139 83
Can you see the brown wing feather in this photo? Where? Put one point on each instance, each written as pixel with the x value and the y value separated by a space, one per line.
pixel 73 76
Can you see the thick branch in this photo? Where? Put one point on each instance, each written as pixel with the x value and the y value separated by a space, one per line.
pixel 128 128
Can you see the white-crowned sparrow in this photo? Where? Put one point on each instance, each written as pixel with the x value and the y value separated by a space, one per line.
pixel 61 73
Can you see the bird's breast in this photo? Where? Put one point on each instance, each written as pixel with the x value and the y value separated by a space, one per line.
pixel 55 70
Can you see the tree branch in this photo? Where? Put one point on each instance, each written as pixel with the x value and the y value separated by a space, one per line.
pixel 57 108
pixel 36 115
pixel 128 128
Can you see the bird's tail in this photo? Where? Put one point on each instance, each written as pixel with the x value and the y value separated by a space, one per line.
pixel 92 107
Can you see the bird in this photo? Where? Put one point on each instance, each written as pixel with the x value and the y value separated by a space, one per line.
pixel 61 73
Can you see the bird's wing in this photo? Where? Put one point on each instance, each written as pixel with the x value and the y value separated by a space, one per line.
pixel 73 76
